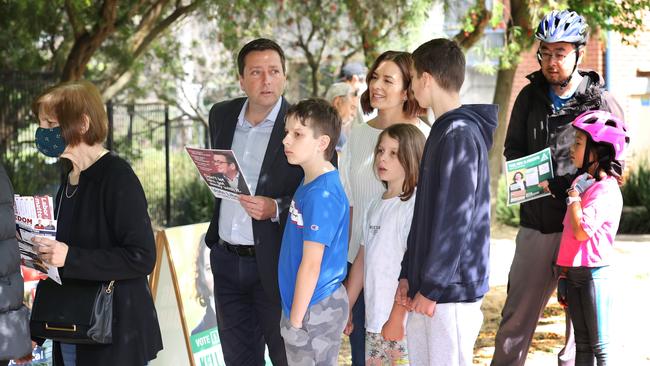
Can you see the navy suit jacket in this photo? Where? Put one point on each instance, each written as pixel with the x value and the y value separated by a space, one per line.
pixel 277 179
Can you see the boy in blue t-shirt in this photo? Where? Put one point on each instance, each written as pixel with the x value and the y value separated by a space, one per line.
pixel 313 257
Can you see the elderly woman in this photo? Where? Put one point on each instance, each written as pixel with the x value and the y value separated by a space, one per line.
pixel 104 232
pixel 344 99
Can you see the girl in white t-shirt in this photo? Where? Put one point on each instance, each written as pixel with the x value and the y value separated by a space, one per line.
pixel 389 96
pixel 386 226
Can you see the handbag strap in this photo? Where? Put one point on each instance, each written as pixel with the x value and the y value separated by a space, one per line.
pixel 110 286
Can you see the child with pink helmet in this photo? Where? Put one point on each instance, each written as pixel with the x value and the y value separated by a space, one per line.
pixel 594 206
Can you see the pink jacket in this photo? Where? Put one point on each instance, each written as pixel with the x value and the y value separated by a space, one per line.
pixel 601 204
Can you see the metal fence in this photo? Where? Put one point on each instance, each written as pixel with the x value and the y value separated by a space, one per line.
pixel 151 137
pixel 153 141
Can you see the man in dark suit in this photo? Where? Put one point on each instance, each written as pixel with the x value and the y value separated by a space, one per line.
pixel 245 236
pixel 228 174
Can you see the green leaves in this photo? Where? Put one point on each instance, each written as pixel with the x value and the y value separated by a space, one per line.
pixel 621 16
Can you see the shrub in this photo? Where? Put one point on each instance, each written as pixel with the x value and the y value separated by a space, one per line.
pixel 31 173
pixel 636 197
pixel 191 201
pixel 636 190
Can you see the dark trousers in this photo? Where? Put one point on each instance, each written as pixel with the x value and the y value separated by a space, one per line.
pixel 531 282
pixel 589 297
pixel 358 336
pixel 247 318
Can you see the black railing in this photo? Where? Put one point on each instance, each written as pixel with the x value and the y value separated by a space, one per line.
pixel 153 142
pixel 149 136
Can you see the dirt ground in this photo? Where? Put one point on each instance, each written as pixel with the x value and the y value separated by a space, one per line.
pixel 631 320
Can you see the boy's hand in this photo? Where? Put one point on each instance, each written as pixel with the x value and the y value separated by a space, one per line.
pixel 583 182
pixel 23 360
pixel 402 294
pixel 424 306
pixel 26 358
pixel 258 207
pixel 295 324
pixel 349 328
pixel 393 329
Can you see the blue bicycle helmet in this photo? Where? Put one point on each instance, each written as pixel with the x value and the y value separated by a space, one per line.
pixel 563 26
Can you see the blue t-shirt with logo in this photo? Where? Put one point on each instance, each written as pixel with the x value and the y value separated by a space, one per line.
pixel 320 213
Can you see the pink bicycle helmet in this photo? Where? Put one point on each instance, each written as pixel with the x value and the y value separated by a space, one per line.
pixel 603 127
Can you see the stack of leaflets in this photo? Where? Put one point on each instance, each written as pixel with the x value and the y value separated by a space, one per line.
pixel 35 218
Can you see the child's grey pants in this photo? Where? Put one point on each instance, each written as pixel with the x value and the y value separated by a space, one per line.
pixel 319 339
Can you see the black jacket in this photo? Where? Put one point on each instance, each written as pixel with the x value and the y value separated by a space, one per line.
pixel 278 179
pixel 534 126
pixel 14 316
pixel 447 255
pixel 109 235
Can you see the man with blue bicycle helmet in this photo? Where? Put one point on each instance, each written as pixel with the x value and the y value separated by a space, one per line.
pixel 541 117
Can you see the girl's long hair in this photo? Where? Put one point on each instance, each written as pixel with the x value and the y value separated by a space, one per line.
pixel 605 160
pixel 411 146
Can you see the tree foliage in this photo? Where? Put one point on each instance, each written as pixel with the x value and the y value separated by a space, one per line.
pixel 100 40
pixel 621 16
pixel 379 22
pixel 113 42
pixel 312 27
pixel 325 33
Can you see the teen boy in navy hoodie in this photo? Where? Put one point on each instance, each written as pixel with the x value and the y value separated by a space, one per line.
pixel 445 268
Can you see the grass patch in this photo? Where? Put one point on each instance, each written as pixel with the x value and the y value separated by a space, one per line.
pixel 553 309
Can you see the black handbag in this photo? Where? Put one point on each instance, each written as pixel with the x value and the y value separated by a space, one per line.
pixel 78 311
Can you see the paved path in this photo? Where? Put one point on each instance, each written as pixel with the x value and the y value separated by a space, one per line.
pixel 632 302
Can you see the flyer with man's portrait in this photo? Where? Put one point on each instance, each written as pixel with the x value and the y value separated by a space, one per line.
pixel 221 171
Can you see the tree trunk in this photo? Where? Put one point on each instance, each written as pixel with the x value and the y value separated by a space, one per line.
pixel 502 92
pixel 111 89
pixel 87 43
pixel 84 48
pixel 314 81
pixel 369 46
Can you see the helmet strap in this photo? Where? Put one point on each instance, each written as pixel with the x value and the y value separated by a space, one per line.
pixel 575 66
pixel 586 159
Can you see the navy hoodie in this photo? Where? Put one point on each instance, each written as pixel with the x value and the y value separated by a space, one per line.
pixel 448 248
